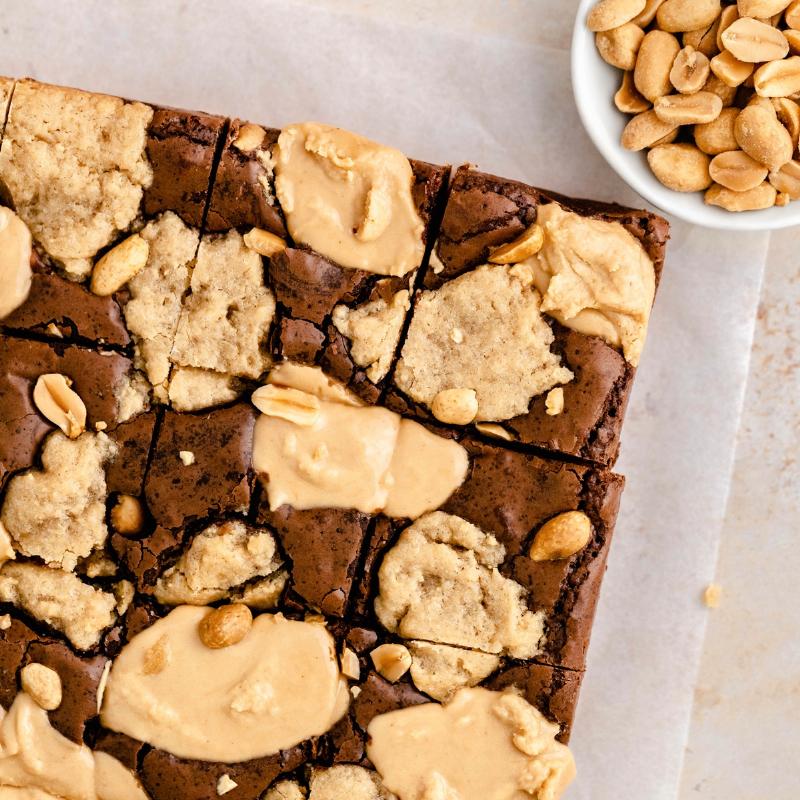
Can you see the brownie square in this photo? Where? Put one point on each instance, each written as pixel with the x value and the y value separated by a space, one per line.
pixel 484 212
pixel 142 160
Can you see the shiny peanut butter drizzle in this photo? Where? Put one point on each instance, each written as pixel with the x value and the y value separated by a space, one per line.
pixel 595 278
pixel 277 687
pixel 41 763
pixel 349 198
pixel 15 262
pixel 482 745
pixel 316 446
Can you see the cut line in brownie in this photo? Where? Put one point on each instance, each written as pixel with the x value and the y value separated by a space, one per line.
pixel 576 393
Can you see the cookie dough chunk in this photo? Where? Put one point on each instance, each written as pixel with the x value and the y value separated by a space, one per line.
pixel 218 559
pixel 59 599
pixel 483 332
pixel 346 780
pixel 193 389
pixel 156 293
pixel 441 583
pixel 58 513
pixel 440 670
pixel 374 332
pixel 227 316
pixel 76 167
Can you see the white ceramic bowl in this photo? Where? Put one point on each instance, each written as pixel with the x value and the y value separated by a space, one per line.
pixel 594 84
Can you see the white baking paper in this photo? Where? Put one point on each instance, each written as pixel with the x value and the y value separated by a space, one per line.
pixel 488 82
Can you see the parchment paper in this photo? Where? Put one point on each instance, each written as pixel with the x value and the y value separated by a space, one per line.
pixel 487 82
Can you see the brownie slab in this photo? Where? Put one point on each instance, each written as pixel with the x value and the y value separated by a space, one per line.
pixel 592 378
pixel 220 557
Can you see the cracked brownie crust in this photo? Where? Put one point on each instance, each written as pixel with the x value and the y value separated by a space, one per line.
pixel 133 515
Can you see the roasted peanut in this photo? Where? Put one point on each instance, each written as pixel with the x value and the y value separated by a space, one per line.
pixel 292 405
pixel 680 167
pixel 619 46
pixel 648 14
pixel 524 246
pixel 627 99
pixel 455 406
pixel 792 15
pixel 690 71
pixel 654 64
pixel 703 40
pixel 263 242
pixel 391 660
pixel 789 115
pixel 718 136
pixel 778 78
pixel 730 70
pixel 119 265
pixel 787 181
pixel 761 197
pixel 737 171
pixel 561 537
pixel 729 15
pixel 225 626
pixel 761 8
pixel 16 247
pixel 668 139
pixel 725 93
pixel 42 685
pixel 677 16
pixel 752 41
pixel 127 515
pixel 349 664
pixel 249 137
pixel 645 130
pixel 763 138
pixel 688 109
pixel 793 37
pixel 58 403
pixel 608 14
pixel 554 402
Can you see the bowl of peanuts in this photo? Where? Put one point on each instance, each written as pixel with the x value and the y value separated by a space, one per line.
pixel 696 104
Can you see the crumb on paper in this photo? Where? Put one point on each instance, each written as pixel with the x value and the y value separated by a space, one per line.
pixel 712 596
pixel 186 457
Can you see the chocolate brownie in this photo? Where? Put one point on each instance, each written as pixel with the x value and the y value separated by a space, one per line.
pixel 303 592
pixel 579 405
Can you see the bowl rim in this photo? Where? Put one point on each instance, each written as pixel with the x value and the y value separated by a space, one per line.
pixel 645 184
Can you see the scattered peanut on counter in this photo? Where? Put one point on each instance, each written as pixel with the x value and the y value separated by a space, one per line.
pixel 713 90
